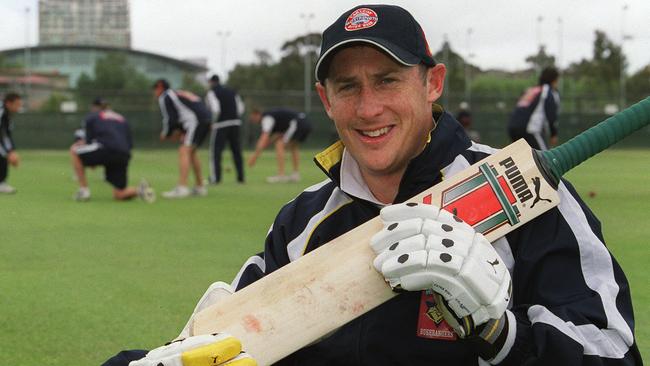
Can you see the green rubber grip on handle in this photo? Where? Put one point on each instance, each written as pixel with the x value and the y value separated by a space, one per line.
pixel 563 158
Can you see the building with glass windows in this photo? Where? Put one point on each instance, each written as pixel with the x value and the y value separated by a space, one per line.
pixel 84 22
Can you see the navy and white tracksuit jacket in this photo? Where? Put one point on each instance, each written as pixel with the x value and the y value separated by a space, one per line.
pixel 571 300
pixel 182 110
pixel 227 107
pixel 6 141
pixel 109 130
pixel 535 116
pixel 291 124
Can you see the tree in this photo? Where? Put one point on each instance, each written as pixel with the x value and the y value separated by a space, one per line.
pixel 541 60
pixel 638 84
pixel 455 79
pixel 115 80
pixel 190 83
pixel 285 74
pixel 53 103
pixel 600 75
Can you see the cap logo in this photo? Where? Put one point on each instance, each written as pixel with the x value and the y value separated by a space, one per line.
pixel 360 19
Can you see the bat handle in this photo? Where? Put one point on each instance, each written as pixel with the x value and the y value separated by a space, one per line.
pixel 563 158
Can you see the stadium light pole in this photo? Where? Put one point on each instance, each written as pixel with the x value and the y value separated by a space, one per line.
pixel 538 30
pixel 445 56
pixel 560 42
pixel 223 35
pixel 468 71
pixel 28 60
pixel 540 19
pixel 560 49
pixel 622 96
pixel 307 77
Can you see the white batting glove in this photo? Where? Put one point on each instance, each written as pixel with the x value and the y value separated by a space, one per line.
pixel 202 350
pixel 422 247
pixel 215 293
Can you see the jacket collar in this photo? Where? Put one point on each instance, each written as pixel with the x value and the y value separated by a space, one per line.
pixel 446 141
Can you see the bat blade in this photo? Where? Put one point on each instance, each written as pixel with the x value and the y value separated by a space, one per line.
pixel 303 301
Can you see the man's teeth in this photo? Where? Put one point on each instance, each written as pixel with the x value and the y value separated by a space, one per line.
pixel 376 133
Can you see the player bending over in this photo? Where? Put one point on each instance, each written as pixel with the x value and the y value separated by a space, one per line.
pixel 286 129
pixel 187 119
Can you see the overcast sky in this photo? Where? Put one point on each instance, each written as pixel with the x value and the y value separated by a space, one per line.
pixel 501 33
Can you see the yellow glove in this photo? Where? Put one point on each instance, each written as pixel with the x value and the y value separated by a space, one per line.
pixel 203 350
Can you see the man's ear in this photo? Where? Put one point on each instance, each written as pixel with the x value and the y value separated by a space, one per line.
pixel 322 93
pixel 435 82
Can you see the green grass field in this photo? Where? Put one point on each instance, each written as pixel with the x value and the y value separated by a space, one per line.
pixel 81 281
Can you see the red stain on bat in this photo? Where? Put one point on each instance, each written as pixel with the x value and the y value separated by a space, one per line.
pixel 357 308
pixel 252 324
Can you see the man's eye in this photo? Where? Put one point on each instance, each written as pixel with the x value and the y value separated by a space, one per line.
pixel 346 87
pixel 388 80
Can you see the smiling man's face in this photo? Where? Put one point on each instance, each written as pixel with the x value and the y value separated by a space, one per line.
pixel 381 109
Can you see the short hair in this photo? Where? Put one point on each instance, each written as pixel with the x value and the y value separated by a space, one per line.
pixel 100 102
pixel 162 82
pixel 10 97
pixel 424 71
pixel 548 75
pixel 214 78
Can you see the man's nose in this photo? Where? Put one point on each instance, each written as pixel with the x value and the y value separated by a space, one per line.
pixel 370 104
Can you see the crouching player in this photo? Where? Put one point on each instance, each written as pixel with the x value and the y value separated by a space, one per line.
pixel 107 141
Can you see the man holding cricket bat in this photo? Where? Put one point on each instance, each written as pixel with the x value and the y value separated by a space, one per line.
pixel 546 293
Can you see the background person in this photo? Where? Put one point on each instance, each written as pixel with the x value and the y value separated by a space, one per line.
pixel 187 119
pixel 106 141
pixel 11 104
pixel 227 108
pixel 535 116
pixel 286 129
pixel 546 293
pixel 464 117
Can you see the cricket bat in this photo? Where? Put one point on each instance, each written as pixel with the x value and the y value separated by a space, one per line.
pixel 305 300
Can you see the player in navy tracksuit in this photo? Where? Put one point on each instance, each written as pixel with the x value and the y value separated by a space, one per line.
pixel 8 156
pixel 185 118
pixel 535 116
pixel 106 141
pixel 569 302
pixel 285 128
pixel 227 108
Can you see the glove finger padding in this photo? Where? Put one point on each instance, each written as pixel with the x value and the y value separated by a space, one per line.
pixel 243 359
pixel 202 350
pixel 393 232
pixel 454 261
pixel 409 210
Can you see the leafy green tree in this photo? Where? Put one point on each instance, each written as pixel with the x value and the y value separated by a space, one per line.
pixel 189 83
pixel 455 79
pixel 285 74
pixel 53 103
pixel 117 81
pixel 638 85
pixel 601 74
pixel 541 60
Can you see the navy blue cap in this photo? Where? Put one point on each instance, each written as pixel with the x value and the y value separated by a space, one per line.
pixel 388 27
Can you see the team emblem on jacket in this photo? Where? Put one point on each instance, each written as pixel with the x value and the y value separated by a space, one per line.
pixel 431 323
pixel 361 19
